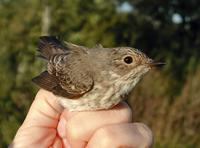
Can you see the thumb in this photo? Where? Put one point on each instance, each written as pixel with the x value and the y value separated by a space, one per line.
pixel 44 111
pixel 40 126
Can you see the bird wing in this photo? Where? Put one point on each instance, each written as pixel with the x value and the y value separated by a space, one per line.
pixel 73 77
pixel 65 76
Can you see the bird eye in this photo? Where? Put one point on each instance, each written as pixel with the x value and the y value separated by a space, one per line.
pixel 128 59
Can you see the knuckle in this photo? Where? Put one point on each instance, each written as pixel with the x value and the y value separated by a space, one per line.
pixel 72 132
pixel 106 137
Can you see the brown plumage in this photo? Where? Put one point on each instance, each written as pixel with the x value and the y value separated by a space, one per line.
pixel 61 77
pixel 90 78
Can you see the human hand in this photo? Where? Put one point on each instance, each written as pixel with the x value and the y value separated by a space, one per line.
pixel 49 125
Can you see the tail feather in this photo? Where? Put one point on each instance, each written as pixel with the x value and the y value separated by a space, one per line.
pixel 49 46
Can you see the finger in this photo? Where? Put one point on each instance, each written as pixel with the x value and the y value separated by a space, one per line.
pixel 34 137
pixel 39 127
pixel 44 111
pixel 126 135
pixel 79 126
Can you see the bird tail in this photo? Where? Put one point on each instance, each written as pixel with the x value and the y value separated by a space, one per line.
pixel 49 46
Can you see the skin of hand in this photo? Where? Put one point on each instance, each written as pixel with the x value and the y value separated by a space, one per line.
pixel 47 124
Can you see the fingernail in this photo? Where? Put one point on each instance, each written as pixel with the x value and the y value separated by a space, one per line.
pixel 61 128
pixel 145 132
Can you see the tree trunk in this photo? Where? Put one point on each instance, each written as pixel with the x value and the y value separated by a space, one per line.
pixel 46 20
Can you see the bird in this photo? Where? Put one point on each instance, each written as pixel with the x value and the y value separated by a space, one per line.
pixel 87 79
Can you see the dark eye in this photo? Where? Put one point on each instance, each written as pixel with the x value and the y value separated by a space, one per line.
pixel 128 60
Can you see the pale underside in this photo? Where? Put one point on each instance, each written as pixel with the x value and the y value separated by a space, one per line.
pixel 105 96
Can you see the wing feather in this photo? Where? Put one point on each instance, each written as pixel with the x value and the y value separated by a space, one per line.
pixel 64 76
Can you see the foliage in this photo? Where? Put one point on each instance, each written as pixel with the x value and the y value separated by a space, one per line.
pixel 166 100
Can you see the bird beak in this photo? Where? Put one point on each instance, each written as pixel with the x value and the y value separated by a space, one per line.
pixel 153 63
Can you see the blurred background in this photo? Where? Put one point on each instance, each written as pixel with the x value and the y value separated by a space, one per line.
pixel 167 99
